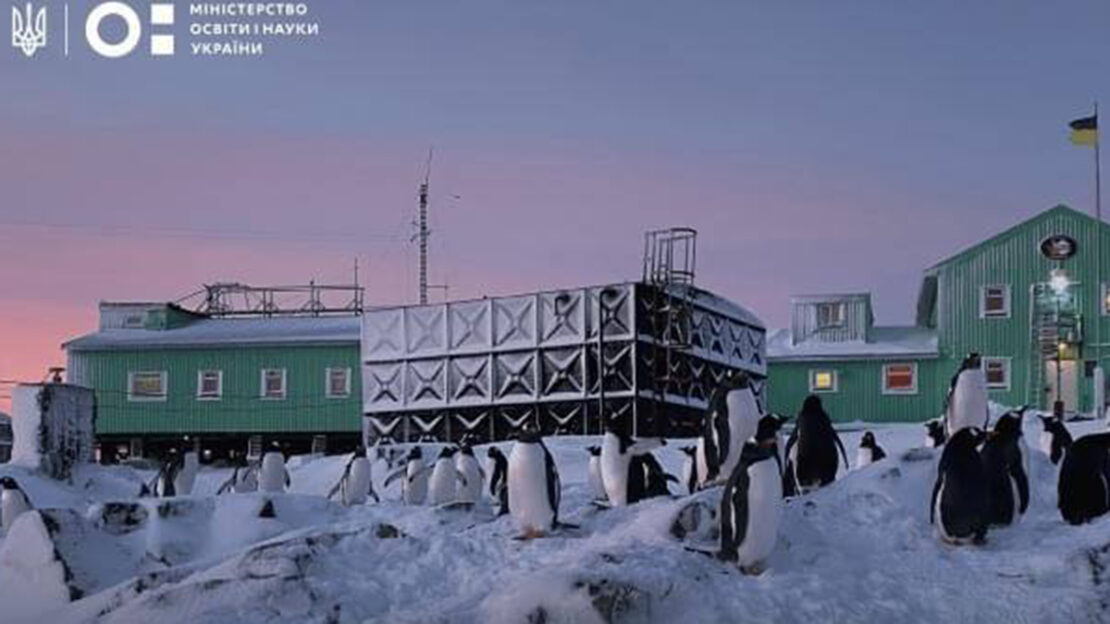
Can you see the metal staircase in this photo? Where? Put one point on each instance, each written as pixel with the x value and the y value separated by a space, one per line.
pixel 1056 327
pixel 670 258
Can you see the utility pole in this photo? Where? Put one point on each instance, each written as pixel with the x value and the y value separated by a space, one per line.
pixel 422 230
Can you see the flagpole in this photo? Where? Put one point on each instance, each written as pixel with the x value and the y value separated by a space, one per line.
pixel 1098 268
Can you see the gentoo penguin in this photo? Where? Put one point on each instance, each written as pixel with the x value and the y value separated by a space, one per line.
pixel 534 488
pixel 1083 489
pixel 165 481
pixel 751 507
pixel 690 468
pixel 445 479
pixel 597 487
pixel 960 505
pixel 187 474
pixel 811 450
pixel 1005 471
pixel 617 451
pixel 869 451
pixel 934 434
pixel 355 486
pixel 769 432
pixel 272 476
pixel 13 502
pixel 499 479
pixel 470 488
pixel 966 404
pixel 647 478
pixel 414 488
pixel 730 420
pixel 1055 438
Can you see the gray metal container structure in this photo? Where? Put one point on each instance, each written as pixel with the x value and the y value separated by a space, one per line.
pixel 485 368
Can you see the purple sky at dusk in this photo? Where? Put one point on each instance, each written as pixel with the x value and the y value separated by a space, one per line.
pixel 834 147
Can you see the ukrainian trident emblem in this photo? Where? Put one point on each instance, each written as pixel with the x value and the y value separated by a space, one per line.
pixel 29 29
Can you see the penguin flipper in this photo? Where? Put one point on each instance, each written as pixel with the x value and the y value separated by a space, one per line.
pixel 335 489
pixel 393 476
pixel 843 453
pixel 933 499
pixel 1017 472
pixel 461 476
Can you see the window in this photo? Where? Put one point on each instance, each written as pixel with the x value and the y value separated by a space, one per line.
pixel 994 301
pixel 210 384
pixel 822 381
pixel 339 383
pixel 830 315
pixel 997 370
pixel 273 383
pixel 1105 299
pixel 146 386
pixel 900 379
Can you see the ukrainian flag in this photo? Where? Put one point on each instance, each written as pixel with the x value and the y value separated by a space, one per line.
pixel 1084 131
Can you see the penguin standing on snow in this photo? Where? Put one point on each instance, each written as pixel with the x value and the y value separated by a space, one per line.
pixel 1055 438
pixel 414 488
pixel 355 487
pixel 966 403
pixel 751 505
pixel 869 451
pixel 534 487
pixel 164 483
pixel 1083 489
pixel 934 434
pixel 960 503
pixel 470 489
pixel 13 502
pixel 597 487
pixel 186 475
pixel 617 451
pixel 499 479
pixel 1005 471
pixel 273 476
pixel 445 479
pixel 770 432
pixel 731 419
pixel 690 468
pixel 811 460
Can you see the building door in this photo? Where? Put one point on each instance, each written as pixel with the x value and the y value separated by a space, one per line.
pixel 1068 390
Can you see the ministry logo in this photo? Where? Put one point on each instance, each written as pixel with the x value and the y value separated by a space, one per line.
pixel 29 29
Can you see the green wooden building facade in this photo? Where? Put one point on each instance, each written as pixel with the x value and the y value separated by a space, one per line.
pixel 1036 321
pixel 163 375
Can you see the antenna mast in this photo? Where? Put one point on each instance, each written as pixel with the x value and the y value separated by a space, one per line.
pixel 422 230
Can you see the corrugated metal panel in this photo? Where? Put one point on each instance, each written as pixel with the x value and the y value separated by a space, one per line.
pixel 306 407
pixel 1014 259
pixel 859 393
pixel 857 319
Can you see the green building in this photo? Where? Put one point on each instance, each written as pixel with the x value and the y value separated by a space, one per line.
pixel 1027 299
pixel 163 374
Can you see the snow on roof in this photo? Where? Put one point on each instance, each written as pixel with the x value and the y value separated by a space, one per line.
pixel 227 333
pixel 726 307
pixel 884 343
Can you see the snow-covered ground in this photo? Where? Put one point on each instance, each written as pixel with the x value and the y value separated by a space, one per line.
pixel 860 550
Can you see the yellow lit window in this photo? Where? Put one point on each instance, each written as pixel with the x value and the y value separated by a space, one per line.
pixel 822 381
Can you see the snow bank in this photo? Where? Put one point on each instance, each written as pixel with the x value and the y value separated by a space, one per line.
pixel 859 550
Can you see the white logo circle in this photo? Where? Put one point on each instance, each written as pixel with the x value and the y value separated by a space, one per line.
pixel 113 50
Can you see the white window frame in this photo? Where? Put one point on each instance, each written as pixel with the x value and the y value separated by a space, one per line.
pixel 1006 371
pixel 327 382
pixel 897 392
pixel 284 384
pixel 841 315
pixel 201 396
pixel 813 372
pixel 131 396
pixel 1007 301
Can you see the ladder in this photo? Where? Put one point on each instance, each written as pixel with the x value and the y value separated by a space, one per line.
pixel 670 257
pixel 1054 323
